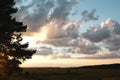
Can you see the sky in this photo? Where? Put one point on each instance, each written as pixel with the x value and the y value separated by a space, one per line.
pixel 70 33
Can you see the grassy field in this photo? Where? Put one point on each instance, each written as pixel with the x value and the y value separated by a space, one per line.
pixel 103 72
pixel 72 74
pixel 81 73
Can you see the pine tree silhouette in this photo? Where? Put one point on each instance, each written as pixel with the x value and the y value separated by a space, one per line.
pixel 12 52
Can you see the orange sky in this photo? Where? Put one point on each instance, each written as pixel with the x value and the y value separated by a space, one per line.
pixel 40 61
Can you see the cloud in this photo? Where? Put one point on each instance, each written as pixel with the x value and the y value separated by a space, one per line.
pixel 110 56
pixel 53 53
pixel 107 33
pixel 85 47
pixel 67 53
pixel 34 13
pixel 113 43
pixel 44 51
pixel 49 22
pixel 103 54
pixel 52 56
pixel 53 31
pixel 87 16
pixel 80 46
pixel 73 30
pixel 63 42
pixel 96 34
pixel 18 1
pixel 37 13
pixel 62 11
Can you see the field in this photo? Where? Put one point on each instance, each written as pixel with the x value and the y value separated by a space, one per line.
pixel 72 74
pixel 103 72
pixel 81 73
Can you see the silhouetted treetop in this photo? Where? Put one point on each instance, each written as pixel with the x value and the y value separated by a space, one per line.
pixel 12 52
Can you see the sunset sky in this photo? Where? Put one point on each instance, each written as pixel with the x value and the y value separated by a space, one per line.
pixel 70 33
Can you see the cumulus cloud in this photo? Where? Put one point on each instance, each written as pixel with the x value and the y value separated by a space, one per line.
pixel 49 20
pixel 83 46
pixel 96 34
pixel 63 42
pixel 36 13
pixel 50 14
pixel 113 43
pixel 80 46
pixel 103 54
pixel 73 30
pixel 87 16
pixel 44 51
pixel 18 1
pixel 110 56
pixel 107 33
pixel 62 10
pixel 54 52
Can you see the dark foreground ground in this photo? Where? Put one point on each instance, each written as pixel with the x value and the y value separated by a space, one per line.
pixel 104 72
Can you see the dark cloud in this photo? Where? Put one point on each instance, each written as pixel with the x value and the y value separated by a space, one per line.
pixel 73 31
pixel 116 28
pixel 62 11
pixel 107 33
pixel 113 43
pixel 87 16
pixel 85 47
pixel 44 51
pixel 109 56
pixel 80 46
pixel 96 34
pixel 53 53
pixel 18 1
pixel 35 13
pixel 88 49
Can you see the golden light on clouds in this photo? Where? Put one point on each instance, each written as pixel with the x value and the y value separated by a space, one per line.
pixel 42 34
pixel 29 39
pixel 46 31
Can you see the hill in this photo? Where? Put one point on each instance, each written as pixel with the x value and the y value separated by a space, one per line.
pixel 97 72
pixel 106 66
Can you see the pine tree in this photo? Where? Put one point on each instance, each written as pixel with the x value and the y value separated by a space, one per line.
pixel 12 52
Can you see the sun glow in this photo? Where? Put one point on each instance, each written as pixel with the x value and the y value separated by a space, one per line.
pixel 42 61
pixel 42 35
pixel 30 40
pixel 46 31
